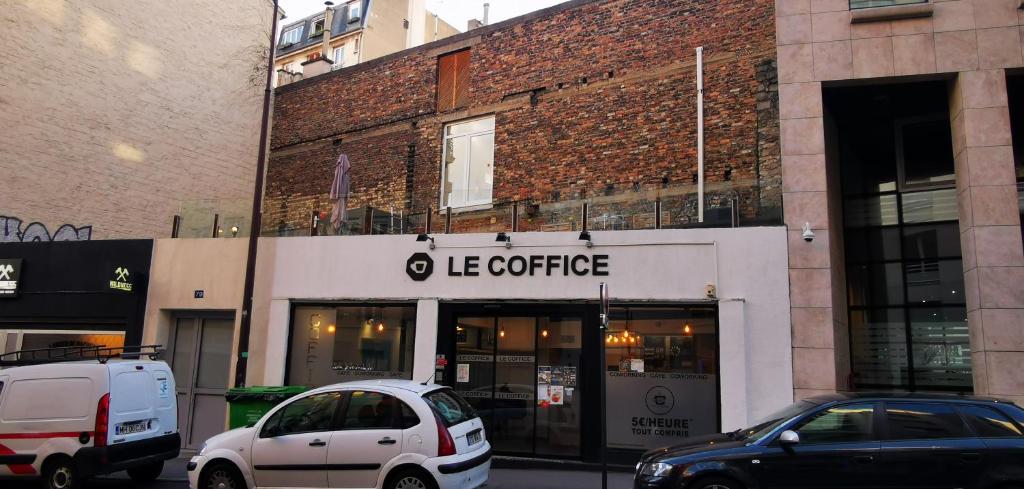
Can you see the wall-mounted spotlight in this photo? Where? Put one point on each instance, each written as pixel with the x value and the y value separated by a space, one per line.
pixel 585 236
pixel 502 237
pixel 426 237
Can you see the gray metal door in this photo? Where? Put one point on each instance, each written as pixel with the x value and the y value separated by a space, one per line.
pixel 200 353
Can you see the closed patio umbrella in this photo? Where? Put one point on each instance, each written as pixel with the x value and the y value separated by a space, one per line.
pixel 339 190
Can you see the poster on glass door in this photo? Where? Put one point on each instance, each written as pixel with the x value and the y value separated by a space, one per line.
pixel 655 409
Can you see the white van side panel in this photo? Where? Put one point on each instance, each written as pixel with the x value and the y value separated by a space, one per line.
pixel 39 400
pixel 142 401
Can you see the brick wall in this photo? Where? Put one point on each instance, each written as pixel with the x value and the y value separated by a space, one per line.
pixel 589 97
pixel 114 113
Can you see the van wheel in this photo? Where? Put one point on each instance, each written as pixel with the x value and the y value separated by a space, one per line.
pixel 146 473
pixel 61 473
pixel 221 476
pixel 411 479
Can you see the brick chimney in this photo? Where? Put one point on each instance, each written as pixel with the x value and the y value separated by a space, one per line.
pixel 323 63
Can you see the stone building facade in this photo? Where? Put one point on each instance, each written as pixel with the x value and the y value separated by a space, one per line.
pixel 959 60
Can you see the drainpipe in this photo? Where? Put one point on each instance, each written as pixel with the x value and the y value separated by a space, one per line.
pixel 256 216
pixel 436 22
pixel 700 134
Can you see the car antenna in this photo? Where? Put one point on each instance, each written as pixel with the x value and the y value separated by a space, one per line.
pixel 425 382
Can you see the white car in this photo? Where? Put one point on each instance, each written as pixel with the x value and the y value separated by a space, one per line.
pixel 390 434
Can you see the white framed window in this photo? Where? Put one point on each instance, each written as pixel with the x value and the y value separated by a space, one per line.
pixel 467 177
pixel 338 57
pixel 353 11
pixel 317 27
pixel 291 36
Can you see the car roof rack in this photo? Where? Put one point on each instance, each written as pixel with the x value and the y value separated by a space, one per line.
pixel 58 354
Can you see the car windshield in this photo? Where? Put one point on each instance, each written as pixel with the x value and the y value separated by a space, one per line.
pixel 772 421
pixel 452 408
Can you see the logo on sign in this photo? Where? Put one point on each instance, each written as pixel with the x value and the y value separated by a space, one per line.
pixel 660 400
pixel 419 266
pixel 120 282
pixel 10 270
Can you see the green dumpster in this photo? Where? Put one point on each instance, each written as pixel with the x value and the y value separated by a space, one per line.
pixel 246 405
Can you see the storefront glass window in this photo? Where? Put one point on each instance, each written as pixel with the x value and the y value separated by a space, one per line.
pixel 662 377
pixel 333 344
pixel 66 343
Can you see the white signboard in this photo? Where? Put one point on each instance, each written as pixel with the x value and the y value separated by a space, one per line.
pixel 649 410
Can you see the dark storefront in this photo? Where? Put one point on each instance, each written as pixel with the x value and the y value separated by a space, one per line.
pixel 532 371
pixel 81 293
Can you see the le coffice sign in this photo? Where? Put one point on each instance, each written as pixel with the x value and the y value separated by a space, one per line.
pixel 420 266
pixel 10 277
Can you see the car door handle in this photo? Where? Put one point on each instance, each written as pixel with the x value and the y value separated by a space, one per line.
pixel 386 441
pixel 318 443
pixel 864 459
pixel 970 457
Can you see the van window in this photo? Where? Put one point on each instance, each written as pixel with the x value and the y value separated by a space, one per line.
pixel 33 399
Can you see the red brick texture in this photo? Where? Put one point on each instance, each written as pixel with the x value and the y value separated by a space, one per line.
pixel 588 97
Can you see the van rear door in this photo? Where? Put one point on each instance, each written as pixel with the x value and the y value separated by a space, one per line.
pixel 142 401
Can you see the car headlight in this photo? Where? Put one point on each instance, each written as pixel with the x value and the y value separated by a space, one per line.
pixel 655 470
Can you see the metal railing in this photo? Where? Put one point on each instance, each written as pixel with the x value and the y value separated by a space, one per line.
pixel 727 204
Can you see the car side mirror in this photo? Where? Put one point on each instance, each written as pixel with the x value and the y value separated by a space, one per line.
pixel 789 438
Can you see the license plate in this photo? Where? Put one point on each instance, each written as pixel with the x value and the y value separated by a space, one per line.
pixel 130 428
pixel 474 437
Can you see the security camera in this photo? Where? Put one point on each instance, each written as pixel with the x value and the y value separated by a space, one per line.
pixel 808 234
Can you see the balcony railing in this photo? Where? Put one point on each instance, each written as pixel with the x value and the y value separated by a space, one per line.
pixel 727 204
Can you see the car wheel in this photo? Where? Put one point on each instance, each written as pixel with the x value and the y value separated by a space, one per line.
pixel 221 476
pixel 411 479
pixel 717 483
pixel 146 473
pixel 61 473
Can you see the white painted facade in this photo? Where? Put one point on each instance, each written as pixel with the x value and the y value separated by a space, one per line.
pixel 747 266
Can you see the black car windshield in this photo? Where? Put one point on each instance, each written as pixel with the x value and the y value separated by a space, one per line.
pixel 772 421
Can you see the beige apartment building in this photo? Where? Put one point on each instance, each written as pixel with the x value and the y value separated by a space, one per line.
pixel 357 31
pixel 902 154
pixel 125 124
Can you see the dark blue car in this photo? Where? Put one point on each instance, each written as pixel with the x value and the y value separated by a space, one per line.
pixel 855 441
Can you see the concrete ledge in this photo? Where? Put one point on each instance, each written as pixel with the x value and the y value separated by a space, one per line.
pixel 894 12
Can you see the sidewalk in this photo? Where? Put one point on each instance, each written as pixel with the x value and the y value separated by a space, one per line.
pixel 174 471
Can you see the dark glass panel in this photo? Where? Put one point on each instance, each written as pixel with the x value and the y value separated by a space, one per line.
pixel 879 342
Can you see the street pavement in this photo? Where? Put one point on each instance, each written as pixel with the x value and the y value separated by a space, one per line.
pixel 174 477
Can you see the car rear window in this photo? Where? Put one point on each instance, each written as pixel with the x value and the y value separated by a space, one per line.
pixel 452 408
pixel 989 423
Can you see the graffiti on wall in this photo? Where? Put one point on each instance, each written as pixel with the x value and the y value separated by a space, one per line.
pixel 11 232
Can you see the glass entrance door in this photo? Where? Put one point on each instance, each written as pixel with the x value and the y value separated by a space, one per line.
pixel 520 373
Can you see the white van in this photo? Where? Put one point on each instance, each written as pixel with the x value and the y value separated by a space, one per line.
pixel 71 420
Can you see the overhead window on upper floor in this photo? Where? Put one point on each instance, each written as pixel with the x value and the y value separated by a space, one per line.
pixel 318 27
pixel 452 80
pixel 468 163
pixel 291 36
pixel 338 57
pixel 354 12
